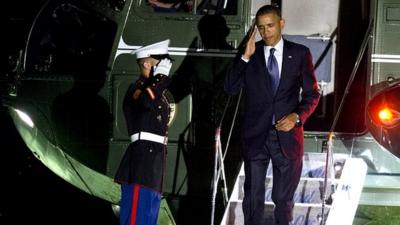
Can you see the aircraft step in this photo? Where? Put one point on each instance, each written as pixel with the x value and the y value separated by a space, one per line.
pixel 309 193
pixel 303 214
pixel 309 190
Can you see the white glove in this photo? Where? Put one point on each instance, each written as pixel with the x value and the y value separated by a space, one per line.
pixel 163 67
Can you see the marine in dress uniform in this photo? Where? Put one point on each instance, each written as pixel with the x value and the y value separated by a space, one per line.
pixel 146 111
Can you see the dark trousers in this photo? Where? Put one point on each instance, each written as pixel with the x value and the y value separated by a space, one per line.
pixel 286 177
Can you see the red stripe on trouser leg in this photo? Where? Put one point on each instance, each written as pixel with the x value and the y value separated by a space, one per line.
pixel 135 200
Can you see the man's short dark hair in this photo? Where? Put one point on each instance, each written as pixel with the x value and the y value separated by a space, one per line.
pixel 269 9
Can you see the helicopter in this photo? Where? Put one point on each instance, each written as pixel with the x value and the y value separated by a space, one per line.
pixel 65 84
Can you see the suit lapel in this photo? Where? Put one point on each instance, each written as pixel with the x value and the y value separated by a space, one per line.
pixel 287 57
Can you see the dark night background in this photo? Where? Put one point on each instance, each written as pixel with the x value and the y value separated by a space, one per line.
pixel 29 192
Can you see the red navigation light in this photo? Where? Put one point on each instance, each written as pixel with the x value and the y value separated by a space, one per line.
pixel 385 115
pixel 389 117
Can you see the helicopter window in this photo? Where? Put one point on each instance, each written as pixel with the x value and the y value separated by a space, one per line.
pixel 226 7
pixel 67 38
pixel 171 6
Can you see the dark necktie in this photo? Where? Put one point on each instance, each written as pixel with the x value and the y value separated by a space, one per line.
pixel 273 70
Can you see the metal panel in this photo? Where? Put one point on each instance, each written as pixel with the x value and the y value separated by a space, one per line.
pixel 386 50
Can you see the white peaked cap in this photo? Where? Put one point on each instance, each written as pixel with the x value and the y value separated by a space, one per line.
pixel 159 48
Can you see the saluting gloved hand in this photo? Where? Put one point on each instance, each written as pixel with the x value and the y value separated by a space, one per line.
pixel 163 67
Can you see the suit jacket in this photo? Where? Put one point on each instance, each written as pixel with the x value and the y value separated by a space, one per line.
pixel 297 92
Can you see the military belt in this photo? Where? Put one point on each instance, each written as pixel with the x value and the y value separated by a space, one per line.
pixel 149 137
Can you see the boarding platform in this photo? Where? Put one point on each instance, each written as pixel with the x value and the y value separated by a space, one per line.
pixel 343 192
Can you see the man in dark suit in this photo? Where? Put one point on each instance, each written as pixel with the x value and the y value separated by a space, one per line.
pixel 281 92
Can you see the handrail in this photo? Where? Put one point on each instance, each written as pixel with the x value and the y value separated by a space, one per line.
pixel 329 152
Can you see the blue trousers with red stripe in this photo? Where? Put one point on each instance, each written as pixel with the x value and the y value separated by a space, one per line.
pixel 139 205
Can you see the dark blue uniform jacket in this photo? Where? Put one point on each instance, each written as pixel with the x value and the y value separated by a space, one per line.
pixel 146 109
